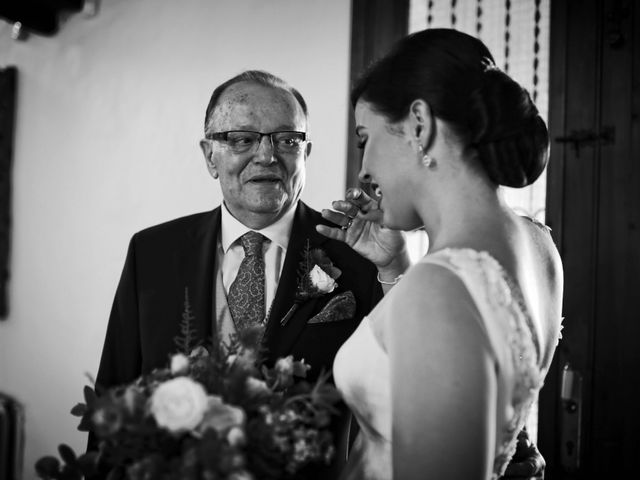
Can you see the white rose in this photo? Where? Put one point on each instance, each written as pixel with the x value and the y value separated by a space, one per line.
pixel 321 280
pixel 179 404
pixel 179 364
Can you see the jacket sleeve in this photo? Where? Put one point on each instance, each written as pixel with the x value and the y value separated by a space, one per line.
pixel 121 357
pixel 120 361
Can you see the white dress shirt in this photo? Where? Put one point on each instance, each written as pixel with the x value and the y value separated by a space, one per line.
pixel 274 250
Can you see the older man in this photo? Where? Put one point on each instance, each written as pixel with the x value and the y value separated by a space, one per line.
pixel 256 145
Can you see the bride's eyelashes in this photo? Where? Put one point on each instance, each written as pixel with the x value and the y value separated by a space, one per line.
pixel 362 142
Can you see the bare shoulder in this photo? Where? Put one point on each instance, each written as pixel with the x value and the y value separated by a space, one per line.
pixel 430 284
pixel 545 261
pixel 438 361
pixel 433 305
pixel 544 247
pixel 541 273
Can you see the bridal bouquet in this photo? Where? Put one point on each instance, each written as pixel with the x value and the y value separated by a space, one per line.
pixel 214 413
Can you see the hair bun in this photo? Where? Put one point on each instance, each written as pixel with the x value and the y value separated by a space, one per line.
pixel 507 131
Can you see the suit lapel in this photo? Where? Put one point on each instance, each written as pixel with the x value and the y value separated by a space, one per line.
pixel 195 267
pixel 279 340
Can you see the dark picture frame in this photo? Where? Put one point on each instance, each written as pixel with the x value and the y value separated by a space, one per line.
pixel 8 82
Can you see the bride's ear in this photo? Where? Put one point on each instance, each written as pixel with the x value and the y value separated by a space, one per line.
pixel 421 123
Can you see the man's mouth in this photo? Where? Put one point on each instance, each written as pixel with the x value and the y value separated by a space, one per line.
pixel 265 179
pixel 375 188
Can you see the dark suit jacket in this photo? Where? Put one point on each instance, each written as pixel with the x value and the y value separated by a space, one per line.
pixel 165 259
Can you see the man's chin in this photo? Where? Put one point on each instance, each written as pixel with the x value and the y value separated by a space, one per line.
pixel 271 208
pixel 269 202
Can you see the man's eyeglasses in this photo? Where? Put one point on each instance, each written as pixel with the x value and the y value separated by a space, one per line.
pixel 245 141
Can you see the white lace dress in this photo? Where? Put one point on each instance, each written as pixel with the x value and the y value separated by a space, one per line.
pixel 361 367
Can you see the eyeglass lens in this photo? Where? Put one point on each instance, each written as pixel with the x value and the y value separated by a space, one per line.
pixel 284 142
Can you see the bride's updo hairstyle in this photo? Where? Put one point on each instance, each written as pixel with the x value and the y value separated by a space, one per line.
pixel 456 75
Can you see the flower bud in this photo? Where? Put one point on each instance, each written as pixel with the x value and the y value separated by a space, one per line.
pixel 179 364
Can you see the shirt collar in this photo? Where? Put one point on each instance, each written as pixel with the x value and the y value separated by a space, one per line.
pixel 278 232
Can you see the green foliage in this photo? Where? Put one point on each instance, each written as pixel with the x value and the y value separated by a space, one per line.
pixel 187 341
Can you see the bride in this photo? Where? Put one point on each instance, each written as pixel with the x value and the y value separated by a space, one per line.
pixel 441 374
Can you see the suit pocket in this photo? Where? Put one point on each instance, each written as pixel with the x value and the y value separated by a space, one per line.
pixel 340 307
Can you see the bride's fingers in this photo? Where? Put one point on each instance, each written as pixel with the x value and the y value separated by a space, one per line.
pixel 344 211
pixel 361 199
pixel 332 232
pixel 345 228
pixel 340 219
pixel 345 207
pixel 357 203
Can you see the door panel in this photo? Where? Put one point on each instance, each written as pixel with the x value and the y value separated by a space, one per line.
pixel 594 210
pixel 617 331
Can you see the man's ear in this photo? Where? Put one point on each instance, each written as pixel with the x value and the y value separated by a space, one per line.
pixel 421 123
pixel 207 150
pixel 308 150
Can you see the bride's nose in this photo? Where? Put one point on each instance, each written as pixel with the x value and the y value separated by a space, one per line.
pixel 363 175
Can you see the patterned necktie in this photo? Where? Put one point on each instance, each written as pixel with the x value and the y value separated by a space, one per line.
pixel 246 294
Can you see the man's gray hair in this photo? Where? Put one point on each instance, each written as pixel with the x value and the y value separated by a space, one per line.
pixel 259 77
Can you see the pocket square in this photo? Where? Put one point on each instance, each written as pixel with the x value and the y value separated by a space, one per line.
pixel 340 307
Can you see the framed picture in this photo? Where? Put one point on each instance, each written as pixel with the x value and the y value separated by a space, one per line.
pixel 8 82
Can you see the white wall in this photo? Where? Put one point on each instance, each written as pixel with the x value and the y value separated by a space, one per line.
pixel 109 114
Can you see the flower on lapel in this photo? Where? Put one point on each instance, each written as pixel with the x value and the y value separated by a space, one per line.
pixel 316 277
pixel 321 280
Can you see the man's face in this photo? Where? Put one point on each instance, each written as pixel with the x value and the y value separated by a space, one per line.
pixel 258 186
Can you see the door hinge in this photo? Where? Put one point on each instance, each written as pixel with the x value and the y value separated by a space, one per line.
pixel 581 138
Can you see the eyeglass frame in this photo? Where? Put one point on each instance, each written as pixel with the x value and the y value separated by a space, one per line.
pixel 223 137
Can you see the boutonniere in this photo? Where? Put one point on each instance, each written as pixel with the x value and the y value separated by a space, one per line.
pixel 316 277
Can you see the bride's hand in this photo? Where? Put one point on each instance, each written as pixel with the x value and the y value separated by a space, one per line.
pixel 359 225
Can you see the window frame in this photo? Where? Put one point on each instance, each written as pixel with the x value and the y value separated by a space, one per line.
pixel 375 26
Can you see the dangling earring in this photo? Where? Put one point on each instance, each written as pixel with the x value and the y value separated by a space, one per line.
pixel 427 161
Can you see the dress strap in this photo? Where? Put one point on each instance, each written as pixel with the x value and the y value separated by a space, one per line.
pixel 496 295
pixel 538 224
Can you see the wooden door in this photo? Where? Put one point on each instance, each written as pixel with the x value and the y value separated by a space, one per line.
pixel 590 426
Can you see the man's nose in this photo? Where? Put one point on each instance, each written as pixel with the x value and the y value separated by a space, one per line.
pixel 265 152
